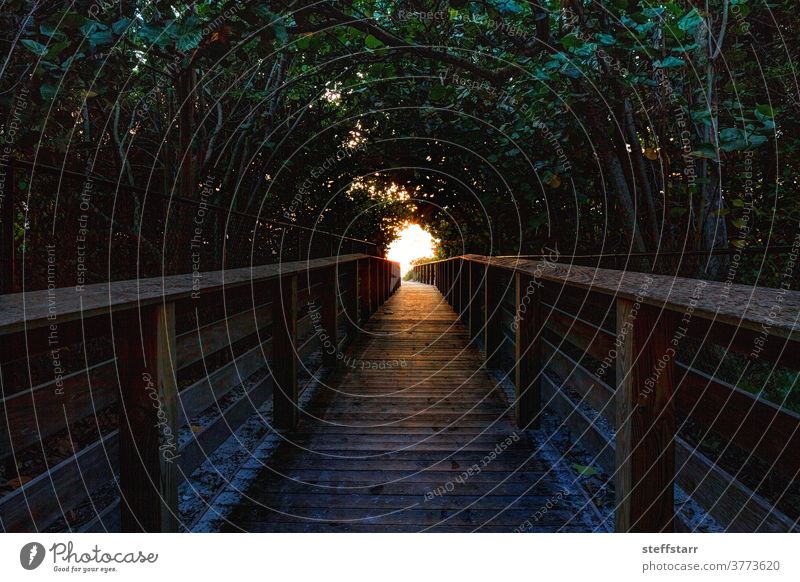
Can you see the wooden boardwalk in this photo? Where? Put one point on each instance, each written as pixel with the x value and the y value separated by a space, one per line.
pixel 412 435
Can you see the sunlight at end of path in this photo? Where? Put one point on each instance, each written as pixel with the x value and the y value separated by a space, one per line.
pixel 412 243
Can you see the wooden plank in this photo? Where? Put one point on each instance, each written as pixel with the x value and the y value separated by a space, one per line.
pixel 528 355
pixel 583 430
pixel 730 503
pixel 203 444
pixel 592 340
pixel 284 356
pixel 148 418
pixel 196 397
pixel 29 310
pixel 196 344
pixel 756 425
pixel 593 391
pixel 741 306
pixel 43 500
pixel 107 520
pixel 48 408
pixel 645 420
pixel 443 428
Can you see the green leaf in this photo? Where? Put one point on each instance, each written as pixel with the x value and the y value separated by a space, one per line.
pixel 690 21
pixel 92 26
pixel 437 92
pixel 508 7
pixel 653 12
pixel 585 471
pixel 705 151
pixel 56 49
pixel 189 41
pixel 372 43
pixel 606 39
pixel 571 41
pixel 765 110
pixel 47 92
pixel 36 48
pixel 669 62
pixel 101 37
pixel 121 25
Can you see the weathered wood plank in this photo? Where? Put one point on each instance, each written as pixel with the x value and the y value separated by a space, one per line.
pixel 402 432
pixel 29 310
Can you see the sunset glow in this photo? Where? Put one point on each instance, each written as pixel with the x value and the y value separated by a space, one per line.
pixel 412 243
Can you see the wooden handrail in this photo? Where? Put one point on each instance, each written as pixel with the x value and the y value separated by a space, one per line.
pixel 740 305
pixel 654 313
pixel 29 310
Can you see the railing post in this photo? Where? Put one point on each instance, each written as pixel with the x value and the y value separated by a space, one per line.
pixel 329 319
pixel 365 287
pixel 448 285
pixel 350 300
pixel 386 273
pixel 148 436
pixel 463 288
pixel 284 352
pixel 475 300
pixel 457 287
pixel 528 356
pixel 645 419
pixel 493 334
pixel 374 285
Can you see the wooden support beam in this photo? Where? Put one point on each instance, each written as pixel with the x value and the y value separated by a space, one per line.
pixel 350 299
pixel 457 287
pixel 493 334
pixel 144 342
pixel 528 356
pixel 464 294
pixel 375 285
pixel 475 299
pixel 449 281
pixel 385 274
pixel 645 419
pixel 284 352
pixel 329 314
pixel 364 288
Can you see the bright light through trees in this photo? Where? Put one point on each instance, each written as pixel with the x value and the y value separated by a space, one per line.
pixel 412 242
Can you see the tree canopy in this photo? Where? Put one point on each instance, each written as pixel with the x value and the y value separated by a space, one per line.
pixel 503 126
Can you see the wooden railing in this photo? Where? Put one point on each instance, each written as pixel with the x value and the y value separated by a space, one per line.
pixel 134 363
pixel 627 346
